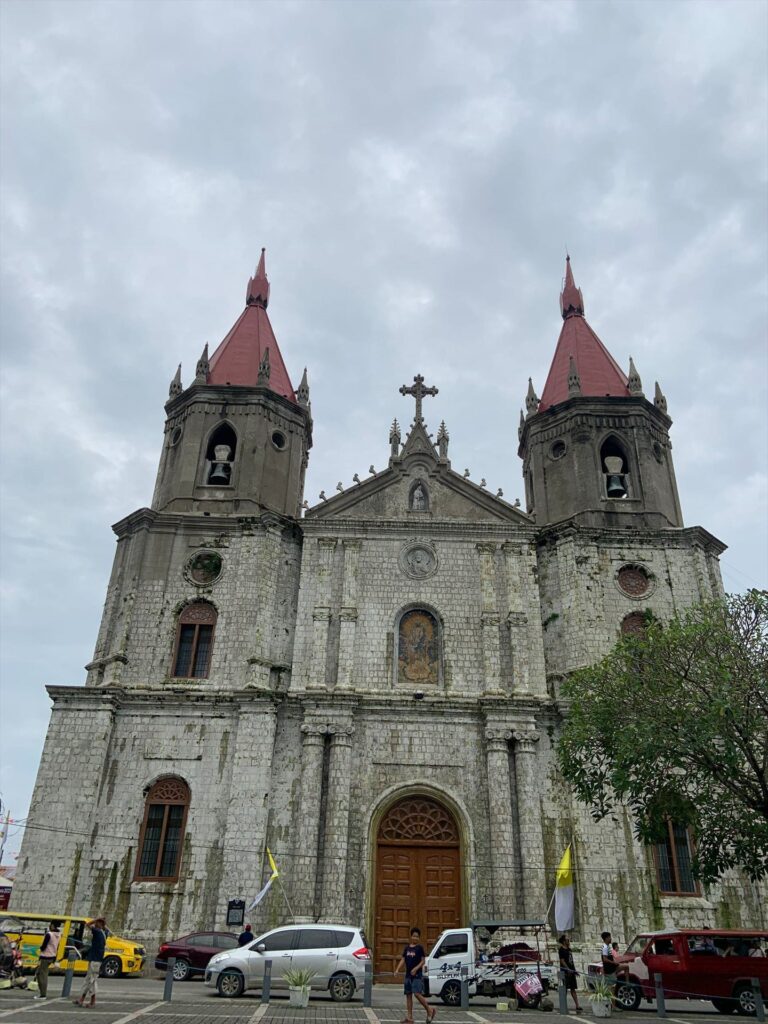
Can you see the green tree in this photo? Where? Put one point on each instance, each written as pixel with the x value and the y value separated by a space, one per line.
pixel 674 723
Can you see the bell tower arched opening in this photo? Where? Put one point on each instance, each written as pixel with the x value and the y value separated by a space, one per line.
pixel 418 876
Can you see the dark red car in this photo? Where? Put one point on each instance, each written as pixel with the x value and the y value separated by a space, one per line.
pixel 193 952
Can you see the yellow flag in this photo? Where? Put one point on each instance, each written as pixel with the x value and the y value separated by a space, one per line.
pixel 564 893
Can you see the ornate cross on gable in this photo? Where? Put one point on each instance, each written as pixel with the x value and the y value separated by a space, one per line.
pixel 418 391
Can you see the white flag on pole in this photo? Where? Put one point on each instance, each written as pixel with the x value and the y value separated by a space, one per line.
pixel 275 874
pixel 564 894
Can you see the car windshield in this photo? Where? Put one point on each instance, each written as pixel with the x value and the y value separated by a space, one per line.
pixel 637 945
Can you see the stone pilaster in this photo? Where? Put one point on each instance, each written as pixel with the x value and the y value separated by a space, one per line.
pixel 321 615
pixel 524 621
pixel 529 782
pixel 489 619
pixel 261 655
pixel 308 819
pixel 334 889
pixel 501 823
pixel 348 615
pixel 250 787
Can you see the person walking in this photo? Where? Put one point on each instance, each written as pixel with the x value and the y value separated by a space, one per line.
pixel 567 966
pixel 49 949
pixel 412 961
pixel 245 936
pixel 94 956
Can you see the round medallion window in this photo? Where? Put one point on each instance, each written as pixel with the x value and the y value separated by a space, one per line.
pixel 278 440
pixel 418 560
pixel 558 449
pixel 204 568
pixel 634 580
pixel 633 624
pixel 175 437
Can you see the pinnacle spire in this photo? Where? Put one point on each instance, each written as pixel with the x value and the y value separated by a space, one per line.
pixel 574 381
pixel 177 387
pixel 257 293
pixel 443 438
pixel 302 392
pixel 203 367
pixel 521 426
pixel 659 400
pixel 634 383
pixel 531 400
pixel 571 299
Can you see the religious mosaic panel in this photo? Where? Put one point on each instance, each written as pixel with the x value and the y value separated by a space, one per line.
pixel 418 661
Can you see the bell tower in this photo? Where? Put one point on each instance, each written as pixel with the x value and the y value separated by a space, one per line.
pixel 595 450
pixel 237 439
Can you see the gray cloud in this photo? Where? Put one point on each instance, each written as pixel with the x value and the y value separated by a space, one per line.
pixel 415 171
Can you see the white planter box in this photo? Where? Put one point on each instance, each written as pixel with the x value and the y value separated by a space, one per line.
pixel 298 997
pixel 601 1007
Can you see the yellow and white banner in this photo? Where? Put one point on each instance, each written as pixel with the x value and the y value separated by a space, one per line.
pixel 564 893
pixel 275 874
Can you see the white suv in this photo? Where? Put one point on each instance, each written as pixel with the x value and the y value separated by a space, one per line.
pixel 337 954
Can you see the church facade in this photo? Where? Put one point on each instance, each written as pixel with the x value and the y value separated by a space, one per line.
pixel 369 687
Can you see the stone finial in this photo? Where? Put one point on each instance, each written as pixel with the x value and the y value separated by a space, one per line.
pixel 371 469
pixel 574 381
pixel 305 504
pixel 203 367
pixel 466 474
pixel 634 383
pixel 176 386
pixel 356 478
pixel 302 392
pixel 531 400
pixel 499 493
pixel 442 440
pixel 339 486
pixel 521 426
pixel 322 496
pixel 517 503
pixel 659 399
pixel 482 482
pixel 264 369
pixel 394 439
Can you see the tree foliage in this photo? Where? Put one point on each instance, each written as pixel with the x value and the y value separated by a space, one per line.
pixel 674 723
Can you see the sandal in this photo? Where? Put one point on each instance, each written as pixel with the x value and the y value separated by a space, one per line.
pixel 431 1014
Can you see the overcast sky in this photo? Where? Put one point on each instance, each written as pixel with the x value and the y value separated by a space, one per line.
pixel 415 171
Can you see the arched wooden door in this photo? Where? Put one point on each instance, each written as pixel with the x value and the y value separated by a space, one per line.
pixel 418 878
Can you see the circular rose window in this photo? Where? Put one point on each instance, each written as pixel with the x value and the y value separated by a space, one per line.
pixel 633 580
pixel 204 568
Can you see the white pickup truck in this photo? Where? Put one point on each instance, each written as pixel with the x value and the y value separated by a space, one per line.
pixel 515 963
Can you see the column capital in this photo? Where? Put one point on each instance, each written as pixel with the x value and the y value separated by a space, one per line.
pixel 321 614
pixel 486 547
pixel 352 543
pixel 348 614
pixel 313 733
pixel 510 548
pixel 341 735
pixel 517 619
pixel 329 543
pixel 490 619
pixel 526 740
pixel 497 738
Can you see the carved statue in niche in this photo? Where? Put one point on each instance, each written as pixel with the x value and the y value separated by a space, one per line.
pixel 419 498
pixel 418 655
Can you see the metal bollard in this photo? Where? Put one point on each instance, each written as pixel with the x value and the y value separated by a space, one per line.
pixel 67 986
pixel 266 985
pixel 562 993
pixel 759 1004
pixel 661 1006
pixel 168 988
pixel 368 984
pixel 464 988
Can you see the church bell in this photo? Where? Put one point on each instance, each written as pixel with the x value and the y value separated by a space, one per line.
pixel 615 485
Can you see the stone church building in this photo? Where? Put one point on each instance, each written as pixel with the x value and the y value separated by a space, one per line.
pixel 370 686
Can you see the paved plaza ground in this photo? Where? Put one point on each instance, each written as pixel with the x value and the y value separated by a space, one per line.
pixel 124 1001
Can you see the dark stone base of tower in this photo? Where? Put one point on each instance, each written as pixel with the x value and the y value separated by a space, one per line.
pixel 372 689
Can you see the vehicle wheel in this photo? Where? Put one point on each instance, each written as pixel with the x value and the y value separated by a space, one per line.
pixel 451 993
pixel 181 970
pixel 627 995
pixel 745 1001
pixel 341 987
pixel 230 984
pixel 111 967
pixel 724 1005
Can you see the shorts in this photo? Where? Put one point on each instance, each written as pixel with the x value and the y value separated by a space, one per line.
pixel 413 986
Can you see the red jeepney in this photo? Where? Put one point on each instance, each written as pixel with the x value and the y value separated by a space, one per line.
pixel 715 964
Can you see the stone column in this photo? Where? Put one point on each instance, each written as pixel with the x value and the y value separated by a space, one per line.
pixel 333 906
pixel 489 620
pixel 529 785
pixel 501 823
pixel 249 801
pixel 524 621
pixel 348 615
pixel 321 615
pixel 308 820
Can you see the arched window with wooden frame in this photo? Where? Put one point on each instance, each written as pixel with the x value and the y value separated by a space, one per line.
pixel 162 831
pixel 194 641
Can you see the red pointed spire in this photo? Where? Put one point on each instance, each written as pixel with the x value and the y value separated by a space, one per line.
pixel 598 372
pixel 239 356
pixel 571 299
pixel 257 293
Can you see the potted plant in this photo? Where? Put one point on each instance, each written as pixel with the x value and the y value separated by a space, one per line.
pixel 299 982
pixel 601 997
